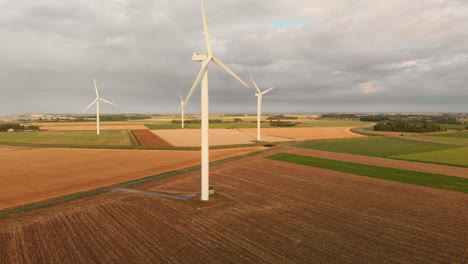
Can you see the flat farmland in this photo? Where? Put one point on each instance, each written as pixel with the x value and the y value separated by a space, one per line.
pixel 283 213
pixel 304 133
pixel 218 137
pixel 395 148
pixel 30 175
pixel 103 127
pixel 461 138
pixel 81 138
pixel 384 162
pixel 455 156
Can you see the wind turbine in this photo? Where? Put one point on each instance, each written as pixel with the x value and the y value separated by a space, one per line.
pixel 203 77
pixel 259 106
pixel 96 101
pixel 181 109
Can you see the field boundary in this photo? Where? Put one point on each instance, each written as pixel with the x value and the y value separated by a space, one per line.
pixel 133 138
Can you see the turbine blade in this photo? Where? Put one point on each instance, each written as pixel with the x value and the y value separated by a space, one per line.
pixel 181 107
pixel 224 67
pixel 95 87
pixel 264 92
pixel 93 102
pixel 197 80
pixel 100 99
pixel 256 87
pixel 207 34
pixel 182 100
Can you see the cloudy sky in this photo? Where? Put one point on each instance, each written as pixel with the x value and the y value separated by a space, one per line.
pixel 320 55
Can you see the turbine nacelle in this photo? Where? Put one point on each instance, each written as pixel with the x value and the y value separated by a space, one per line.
pixel 199 57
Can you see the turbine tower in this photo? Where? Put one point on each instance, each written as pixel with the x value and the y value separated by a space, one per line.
pixel 181 109
pixel 259 106
pixel 96 101
pixel 205 59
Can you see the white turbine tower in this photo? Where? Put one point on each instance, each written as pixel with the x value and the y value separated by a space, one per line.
pixel 259 106
pixel 181 109
pixel 203 77
pixel 96 101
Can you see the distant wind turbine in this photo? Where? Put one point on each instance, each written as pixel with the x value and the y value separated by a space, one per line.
pixel 206 59
pixel 259 106
pixel 181 109
pixel 96 101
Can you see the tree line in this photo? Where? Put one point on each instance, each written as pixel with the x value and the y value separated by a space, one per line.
pixel 408 126
pixel 17 127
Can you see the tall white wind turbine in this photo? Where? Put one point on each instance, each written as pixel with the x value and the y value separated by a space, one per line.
pixel 181 109
pixel 259 106
pixel 96 101
pixel 203 77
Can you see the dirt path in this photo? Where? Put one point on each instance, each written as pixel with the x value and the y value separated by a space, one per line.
pixel 399 164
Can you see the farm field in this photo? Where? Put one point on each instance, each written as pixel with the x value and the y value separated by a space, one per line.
pixel 433 180
pixel 277 217
pixel 218 137
pixel 453 126
pixel 37 174
pixel 395 148
pixel 375 146
pixel 304 133
pixel 304 123
pixel 84 138
pixel 332 123
pixel 198 125
pixel 456 156
pixel 382 162
pixel 147 138
pixel 103 127
pixel 461 138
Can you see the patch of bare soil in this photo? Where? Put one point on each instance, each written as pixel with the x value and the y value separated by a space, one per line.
pixel 147 138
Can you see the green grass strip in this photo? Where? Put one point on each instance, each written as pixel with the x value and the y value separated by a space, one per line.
pixel 439 181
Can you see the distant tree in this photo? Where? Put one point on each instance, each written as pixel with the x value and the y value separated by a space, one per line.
pixel 408 126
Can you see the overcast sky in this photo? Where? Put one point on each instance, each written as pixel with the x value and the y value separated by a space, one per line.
pixel 320 55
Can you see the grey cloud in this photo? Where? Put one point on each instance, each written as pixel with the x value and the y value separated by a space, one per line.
pixel 140 52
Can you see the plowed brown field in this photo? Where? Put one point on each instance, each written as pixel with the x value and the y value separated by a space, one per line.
pixel 147 138
pixel 31 175
pixel 284 213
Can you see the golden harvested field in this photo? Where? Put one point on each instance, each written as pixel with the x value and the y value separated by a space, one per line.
pixel 30 175
pixel 283 213
pixel 305 133
pixel 218 137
